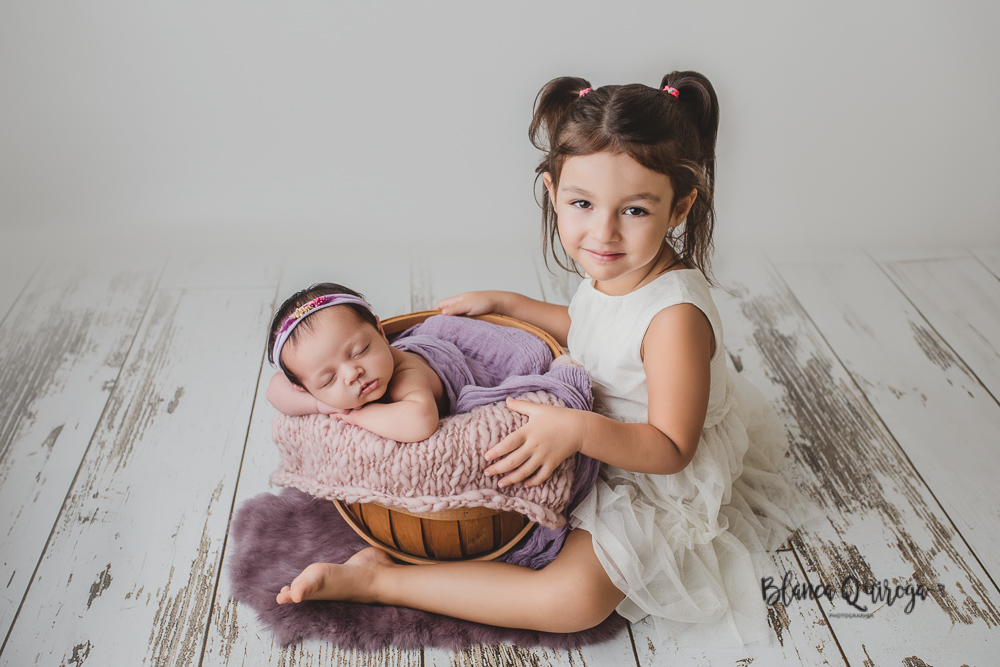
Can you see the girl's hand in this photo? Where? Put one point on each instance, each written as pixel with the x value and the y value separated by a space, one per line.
pixel 533 452
pixel 470 303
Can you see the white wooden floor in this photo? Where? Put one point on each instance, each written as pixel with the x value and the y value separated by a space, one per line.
pixel 132 424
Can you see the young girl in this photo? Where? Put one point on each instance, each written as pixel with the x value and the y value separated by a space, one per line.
pixel 333 358
pixel 689 487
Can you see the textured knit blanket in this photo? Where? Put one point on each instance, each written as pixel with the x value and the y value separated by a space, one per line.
pixel 480 364
pixel 331 459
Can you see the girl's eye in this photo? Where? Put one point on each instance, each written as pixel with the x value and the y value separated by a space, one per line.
pixel 580 203
pixel 363 350
pixel 635 210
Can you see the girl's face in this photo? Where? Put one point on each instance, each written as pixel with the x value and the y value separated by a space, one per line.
pixel 341 360
pixel 613 216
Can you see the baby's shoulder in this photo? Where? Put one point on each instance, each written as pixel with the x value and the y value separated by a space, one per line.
pixel 411 371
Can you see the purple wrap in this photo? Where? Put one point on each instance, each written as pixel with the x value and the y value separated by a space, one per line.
pixel 481 363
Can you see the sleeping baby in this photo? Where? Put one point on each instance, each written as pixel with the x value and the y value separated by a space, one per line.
pixel 334 358
pixel 337 361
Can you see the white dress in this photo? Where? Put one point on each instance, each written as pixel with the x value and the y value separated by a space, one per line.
pixel 679 546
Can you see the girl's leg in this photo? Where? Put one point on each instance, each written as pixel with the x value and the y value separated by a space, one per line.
pixel 570 594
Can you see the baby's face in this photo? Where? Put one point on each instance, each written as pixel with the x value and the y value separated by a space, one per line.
pixel 341 360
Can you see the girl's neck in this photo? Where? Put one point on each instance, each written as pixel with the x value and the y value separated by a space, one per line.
pixel 665 260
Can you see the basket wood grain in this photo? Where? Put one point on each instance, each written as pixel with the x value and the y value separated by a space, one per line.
pixel 469 533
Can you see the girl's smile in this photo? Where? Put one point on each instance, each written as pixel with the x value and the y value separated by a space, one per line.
pixel 614 216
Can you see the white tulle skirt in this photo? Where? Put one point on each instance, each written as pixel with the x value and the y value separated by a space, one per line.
pixel 682 547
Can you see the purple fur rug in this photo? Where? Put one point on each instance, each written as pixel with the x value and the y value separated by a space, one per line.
pixel 276 537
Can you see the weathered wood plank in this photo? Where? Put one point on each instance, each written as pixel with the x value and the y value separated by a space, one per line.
pixel 235 636
pixel 449 269
pixel 61 351
pixel 801 633
pixel 129 573
pixel 881 524
pixel 238 264
pixel 381 272
pixel 928 397
pixel 615 652
pixel 960 299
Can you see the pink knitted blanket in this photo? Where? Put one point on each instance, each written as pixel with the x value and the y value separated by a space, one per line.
pixel 330 459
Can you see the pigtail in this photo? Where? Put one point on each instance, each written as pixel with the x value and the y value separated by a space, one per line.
pixel 697 101
pixel 552 103
pixel 696 96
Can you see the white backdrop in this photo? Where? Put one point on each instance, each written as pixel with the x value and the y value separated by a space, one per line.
pixel 315 119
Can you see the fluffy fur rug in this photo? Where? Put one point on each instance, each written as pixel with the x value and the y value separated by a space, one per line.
pixel 275 537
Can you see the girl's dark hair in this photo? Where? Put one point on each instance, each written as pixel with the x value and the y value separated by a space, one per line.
pixel 301 298
pixel 671 135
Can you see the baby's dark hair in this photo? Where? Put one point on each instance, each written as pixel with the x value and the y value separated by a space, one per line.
pixel 672 135
pixel 301 298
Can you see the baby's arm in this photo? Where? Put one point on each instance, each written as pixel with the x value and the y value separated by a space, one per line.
pixel 290 399
pixel 547 316
pixel 412 414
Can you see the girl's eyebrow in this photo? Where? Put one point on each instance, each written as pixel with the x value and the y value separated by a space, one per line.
pixel 639 196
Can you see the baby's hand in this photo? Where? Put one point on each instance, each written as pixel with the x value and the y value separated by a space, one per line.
pixel 330 410
pixel 348 416
pixel 469 303
pixel 533 452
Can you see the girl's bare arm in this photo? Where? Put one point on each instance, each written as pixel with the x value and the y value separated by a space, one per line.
pixel 677 350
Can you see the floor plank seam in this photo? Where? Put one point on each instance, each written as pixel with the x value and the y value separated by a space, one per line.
pixel 826 619
pixel 631 639
pixel 982 263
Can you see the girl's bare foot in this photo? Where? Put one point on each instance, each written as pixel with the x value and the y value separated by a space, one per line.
pixel 351 581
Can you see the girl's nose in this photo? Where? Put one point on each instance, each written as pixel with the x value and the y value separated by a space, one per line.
pixel 605 228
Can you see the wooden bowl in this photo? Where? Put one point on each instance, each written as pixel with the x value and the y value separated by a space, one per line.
pixel 471 533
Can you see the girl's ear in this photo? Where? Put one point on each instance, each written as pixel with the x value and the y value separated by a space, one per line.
pixel 682 208
pixel 378 322
pixel 547 180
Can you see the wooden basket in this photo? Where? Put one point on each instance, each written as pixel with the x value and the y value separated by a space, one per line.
pixel 471 533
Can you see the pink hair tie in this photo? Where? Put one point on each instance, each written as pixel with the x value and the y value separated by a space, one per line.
pixel 672 91
pixel 584 92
